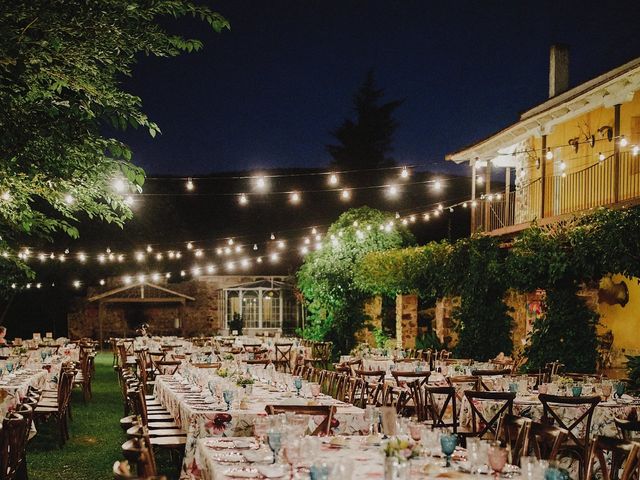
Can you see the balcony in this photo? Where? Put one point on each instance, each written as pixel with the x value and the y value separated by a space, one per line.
pixel 611 182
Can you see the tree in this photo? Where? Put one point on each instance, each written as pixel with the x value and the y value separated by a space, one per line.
pixel 327 277
pixel 61 64
pixel 366 142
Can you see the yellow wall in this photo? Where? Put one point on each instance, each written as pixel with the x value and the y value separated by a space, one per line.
pixel 624 322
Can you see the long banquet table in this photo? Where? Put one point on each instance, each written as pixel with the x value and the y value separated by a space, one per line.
pixel 202 420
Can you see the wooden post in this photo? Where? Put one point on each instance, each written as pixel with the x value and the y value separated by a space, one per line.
pixel 616 153
pixel 487 192
pixel 100 315
pixel 507 188
pixel 543 173
pixel 474 179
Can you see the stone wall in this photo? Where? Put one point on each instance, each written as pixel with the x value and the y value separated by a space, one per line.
pixel 406 320
pixel 203 316
pixel 373 310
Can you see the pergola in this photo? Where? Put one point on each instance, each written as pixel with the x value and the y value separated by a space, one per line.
pixel 140 292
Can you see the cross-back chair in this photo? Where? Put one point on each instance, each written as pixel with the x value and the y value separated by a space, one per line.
pixel 439 401
pixel 325 412
pixel 623 463
pixel 482 424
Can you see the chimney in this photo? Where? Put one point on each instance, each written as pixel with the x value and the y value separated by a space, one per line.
pixel 558 69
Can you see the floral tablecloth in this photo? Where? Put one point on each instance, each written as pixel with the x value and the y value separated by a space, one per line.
pixel 200 420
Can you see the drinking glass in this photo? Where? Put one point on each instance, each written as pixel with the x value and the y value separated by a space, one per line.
pixel 576 390
pixel 43 355
pixel 9 367
pixel 415 431
pixel 274 438
pixel 293 454
pixel 474 454
pixel 297 382
pixel 227 395
pixel 607 388
pixel 319 471
pixel 497 458
pixel 448 443
pixel 260 428
pixel 315 389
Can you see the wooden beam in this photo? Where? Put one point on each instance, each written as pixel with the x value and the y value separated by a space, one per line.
pixel 144 300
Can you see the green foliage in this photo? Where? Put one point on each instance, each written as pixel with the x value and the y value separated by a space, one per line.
pixel 475 272
pixel 367 141
pixel 633 372
pixel 429 340
pixel 327 281
pixel 380 337
pixel 567 333
pixel 61 64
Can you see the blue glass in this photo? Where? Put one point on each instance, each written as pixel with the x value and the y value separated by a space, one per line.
pixel 448 443
pixel 556 474
pixel 9 367
pixel 576 390
pixel 297 382
pixel 513 387
pixel 212 386
pixel 43 355
pixel 274 438
pixel 319 471
pixel 227 395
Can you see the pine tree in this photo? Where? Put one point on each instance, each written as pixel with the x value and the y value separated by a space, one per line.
pixel 366 142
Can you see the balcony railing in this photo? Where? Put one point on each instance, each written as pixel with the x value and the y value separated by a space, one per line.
pixel 606 183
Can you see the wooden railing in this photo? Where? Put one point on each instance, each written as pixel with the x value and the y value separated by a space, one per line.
pixel 606 183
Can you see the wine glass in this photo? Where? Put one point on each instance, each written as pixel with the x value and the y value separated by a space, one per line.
pixel 607 388
pixel 415 430
pixel 497 458
pixel 315 390
pixel 293 454
pixel 43 355
pixel 227 395
pixel 260 428
pixel 474 454
pixel 9 367
pixel 297 382
pixel 369 416
pixel 274 438
pixel 448 443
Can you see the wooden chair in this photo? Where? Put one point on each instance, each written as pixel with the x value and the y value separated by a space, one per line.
pixel 513 432
pixel 84 377
pixel 169 439
pixel 138 451
pixel 58 408
pixel 262 361
pixel 627 428
pixel 283 353
pixel 406 377
pixel 357 392
pixel 574 445
pixel 480 425
pixel 437 410
pixel 13 442
pixel 168 367
pixel 371 376
pixel 488 373
pixel 464 382
pixel 396 397
pixel 122 471
pixel 623 455
pixel 327 412
pixel 545 441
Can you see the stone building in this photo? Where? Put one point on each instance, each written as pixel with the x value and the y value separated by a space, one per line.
pixel 200 306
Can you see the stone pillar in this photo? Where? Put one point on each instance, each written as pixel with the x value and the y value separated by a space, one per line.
pixel 406 321
pixel 373 311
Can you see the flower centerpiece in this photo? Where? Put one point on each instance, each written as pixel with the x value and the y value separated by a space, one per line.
pixel 223 372
pixel 243 381
pixel 401 449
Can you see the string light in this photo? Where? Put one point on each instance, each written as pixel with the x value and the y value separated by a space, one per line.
pixel 426 217
pixel 189 246
pixel 243 200
pixel 139 256
pixel 6 196
pixel 199 253
pixel 392 190
pixel 623 141
pixel 563 166
pixel 480 179
pixel 76 284
pixel 230 241
pixel 404 173
pixel 345 194
pixel 190 185
pixel 68 199
pixel 149 249
pixel 295 197
pixel 333 180
pixel 272 237
pixel 549 154
pixel 437 185
pixel 158 256
pixel 211 268
pixel 119 185
pixel 635 150
pixel 601 157
pixel 102 282
pixel 261 183
pixel 255 246
pixel 274 257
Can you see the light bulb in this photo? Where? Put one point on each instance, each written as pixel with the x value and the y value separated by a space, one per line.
pixel 474 204
pixel 345 194
pixel 102 282
pixel 199 253
pixel 563 165
pixel 255 246
pixel 189 246
pixel 333 179
pixel 243 200
pixel 210 269
pixel 392 190
pixel 261 183
pixel 480 180
pixel 230 241
pixel 155 277
pixel 601 157
pixel 464 205
pixel 149 248
pixel 404 173
pixel 440 207
pixel 272 237
pixel 119 185
pixel 405 221
pixel 76 284
pixel 412 218
pixel 549 154
pixel 274 257
pixel 294 197
pixel 304 250
pixel 437 185
pixel 6 196
pixel 190 185
pixel 635 150
pixel 314 230
pixel 68 199
pixel 158 256
pixel 259 259
pixel 623 141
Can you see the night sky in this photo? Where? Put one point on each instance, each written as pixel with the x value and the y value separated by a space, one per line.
pixel 267 93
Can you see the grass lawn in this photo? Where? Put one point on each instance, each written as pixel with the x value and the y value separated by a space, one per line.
pixel 95 433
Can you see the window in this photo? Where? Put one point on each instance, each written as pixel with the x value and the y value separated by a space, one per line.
pixel 271 309
pixel 250 313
